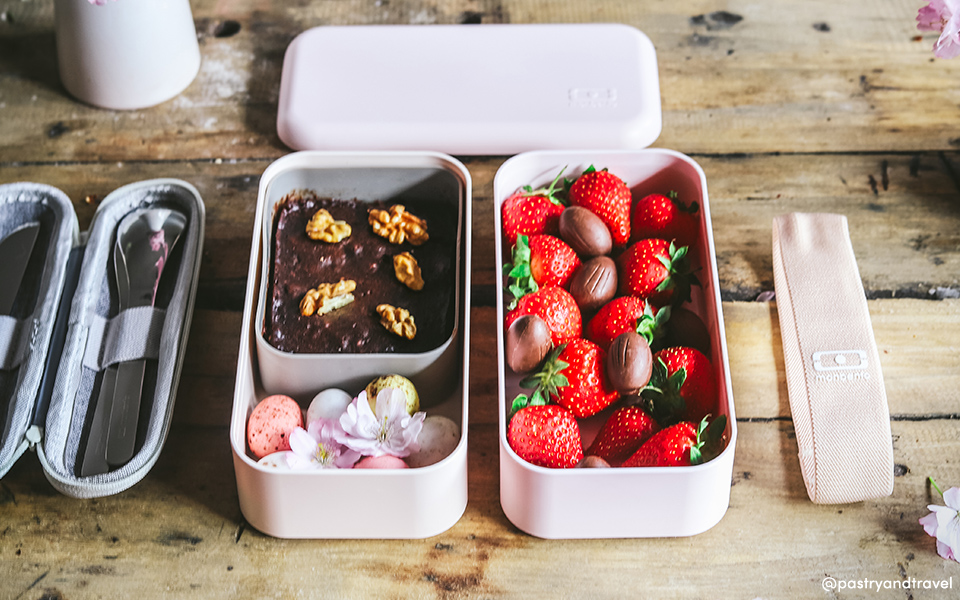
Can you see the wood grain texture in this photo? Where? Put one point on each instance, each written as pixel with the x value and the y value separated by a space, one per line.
pixel 797 76
pixel 902 209
pixel 183 519
pixel 788 106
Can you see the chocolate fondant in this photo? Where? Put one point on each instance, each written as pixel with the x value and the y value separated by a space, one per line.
pixel 300 263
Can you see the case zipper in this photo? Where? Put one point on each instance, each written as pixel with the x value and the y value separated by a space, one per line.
pixel 34 435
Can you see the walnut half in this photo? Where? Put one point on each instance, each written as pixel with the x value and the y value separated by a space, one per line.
pixel 397 225
pixel 397 320
pixel 325 228
pixel 407 270
pixel 327 297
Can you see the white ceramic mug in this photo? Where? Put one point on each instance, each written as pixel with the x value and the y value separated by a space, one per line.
pixel 126 54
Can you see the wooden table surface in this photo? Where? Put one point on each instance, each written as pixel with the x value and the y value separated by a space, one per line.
pixel 788 105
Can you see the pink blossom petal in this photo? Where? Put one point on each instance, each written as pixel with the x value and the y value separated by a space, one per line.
pixel 929 523
pixel 347 458
pixel 933 16
pixel 951 498
pixel 296 462
pixel 302 443
pixel 948 45
pixel 389 431
pixel 945 551
pixel 948 527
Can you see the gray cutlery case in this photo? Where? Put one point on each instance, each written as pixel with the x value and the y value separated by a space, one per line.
pixel 66 329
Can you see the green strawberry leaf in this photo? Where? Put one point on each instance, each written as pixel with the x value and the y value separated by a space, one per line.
pixel 696 451
pixel 520 281
pixel 550 192
pixel 679 276
pixel 696 457
pixel 675 381
pixel 529 383
pixel 653 327
pixel 712 436
pixel 662 394
pixel 520 402
pixel 546 382
pixel 537 399
pixel 520 271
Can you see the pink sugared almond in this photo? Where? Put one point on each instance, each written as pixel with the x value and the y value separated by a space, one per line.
pixel 270 424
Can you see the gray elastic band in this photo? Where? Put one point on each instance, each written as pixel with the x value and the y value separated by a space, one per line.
pixel 131 335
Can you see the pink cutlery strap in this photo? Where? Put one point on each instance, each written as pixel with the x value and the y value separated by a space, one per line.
pixel 837 398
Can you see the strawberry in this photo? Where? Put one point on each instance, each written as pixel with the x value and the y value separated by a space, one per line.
pixel 546 435
pixel 587 391
pixel 683 385
pixel 574 376
pixel 622 434
pixel 657 271
pixel 626 313
pixel 676 446
pixel 685 328
pixel 552 261
pixel 608 197
pixel 531 211
pixel 664 217
pixel 558 310
pixel 539 261
pixel 681 444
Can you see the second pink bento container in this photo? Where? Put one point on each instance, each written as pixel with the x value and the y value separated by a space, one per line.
pixel 618 502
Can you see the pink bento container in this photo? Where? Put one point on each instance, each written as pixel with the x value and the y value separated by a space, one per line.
pixel 353 503
pixel 618 502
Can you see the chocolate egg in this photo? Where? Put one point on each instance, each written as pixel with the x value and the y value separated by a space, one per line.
pixel 629 363
pixel 585 232
pixel 528 342
pixel 594 283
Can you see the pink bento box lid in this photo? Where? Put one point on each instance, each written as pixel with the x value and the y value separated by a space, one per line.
pixel 470 89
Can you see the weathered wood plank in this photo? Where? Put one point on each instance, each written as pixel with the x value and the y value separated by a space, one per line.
pixel 902 208
pixel 798 77
pixel 184 519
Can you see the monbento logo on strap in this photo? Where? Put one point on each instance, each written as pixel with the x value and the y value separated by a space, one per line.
pixel 593 97
pixel 840 365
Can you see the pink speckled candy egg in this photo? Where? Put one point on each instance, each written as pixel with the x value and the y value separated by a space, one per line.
pixel 381 462
pixel 270 424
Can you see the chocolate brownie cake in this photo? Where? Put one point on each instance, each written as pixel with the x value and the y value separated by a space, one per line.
pixel 301 264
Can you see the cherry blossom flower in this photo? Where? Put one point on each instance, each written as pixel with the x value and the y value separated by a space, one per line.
pixel 390 430
pixel 942 16
pixel 944 523
pixel 98 2
pixel 317 447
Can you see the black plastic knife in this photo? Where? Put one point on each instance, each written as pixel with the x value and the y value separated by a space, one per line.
pixel 15 251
